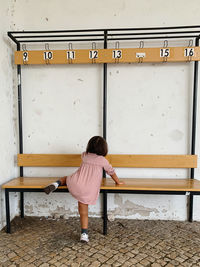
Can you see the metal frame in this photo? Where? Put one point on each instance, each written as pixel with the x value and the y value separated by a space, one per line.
pixel 176 32
pixel 105 192
pixel 104 36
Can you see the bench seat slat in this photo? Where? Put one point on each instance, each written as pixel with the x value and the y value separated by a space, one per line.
pixel 122 160
pixel 30 182
pixel 130 184
pixel 155 184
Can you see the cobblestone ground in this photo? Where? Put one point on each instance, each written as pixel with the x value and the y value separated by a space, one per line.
pixel 42 242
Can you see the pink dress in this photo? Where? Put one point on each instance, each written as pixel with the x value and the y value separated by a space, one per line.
pixel 85 183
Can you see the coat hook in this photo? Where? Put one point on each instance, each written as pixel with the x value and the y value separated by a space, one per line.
pixel 165 43
pixel 165 46
pixel 140 58
pixel 93 45
pixel 93 48
pixel 117 47
pixel 69 55
pixel 190 44
pixel 46 57
pixel 25 54
pixel 141 44
pixel 46 46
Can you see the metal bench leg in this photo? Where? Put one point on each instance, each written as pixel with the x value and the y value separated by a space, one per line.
pixel 191 207
pixel 105 213
pixel 22 204
pixel 8 227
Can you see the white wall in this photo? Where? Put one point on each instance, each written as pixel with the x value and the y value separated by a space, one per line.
pixel 149 106
pixel 8 117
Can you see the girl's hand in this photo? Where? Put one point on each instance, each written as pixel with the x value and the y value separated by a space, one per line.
pixel 120 182
pixel 116 179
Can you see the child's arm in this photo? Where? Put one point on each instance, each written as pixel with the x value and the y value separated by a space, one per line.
pixel 116 179
pixel 110 171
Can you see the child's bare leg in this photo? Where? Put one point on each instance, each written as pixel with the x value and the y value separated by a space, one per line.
pixel 63 180
pixel 83 211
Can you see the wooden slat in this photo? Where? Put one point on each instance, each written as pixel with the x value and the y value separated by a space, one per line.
pixel 153 184
pixel 130 184
pixel 30 182
pixel 49 160
pixel 126 161
pixel 129 55
pixel 153 161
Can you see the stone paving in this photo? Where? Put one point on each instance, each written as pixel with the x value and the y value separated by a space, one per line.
pixel 46 242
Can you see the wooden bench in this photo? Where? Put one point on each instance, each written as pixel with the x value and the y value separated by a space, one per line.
pixel 132 185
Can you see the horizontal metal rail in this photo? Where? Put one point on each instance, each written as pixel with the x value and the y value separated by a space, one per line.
pixel 112 191
pixel 112 34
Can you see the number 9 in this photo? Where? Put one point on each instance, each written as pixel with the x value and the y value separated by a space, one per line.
pixel 25 56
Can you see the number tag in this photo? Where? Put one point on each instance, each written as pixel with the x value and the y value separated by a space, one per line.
pixel 70 54
pixel 117 53
pixel 93 54
pixel 188 52
pixel 140 55
pixel 25 56
pixel 48 55
pixel 164 52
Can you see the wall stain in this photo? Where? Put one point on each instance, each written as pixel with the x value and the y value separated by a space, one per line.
pixel 77 101
pixel 29 209
pixel 176 135
pixel 42 206
pixel 62 212
pixel 164 211
pixel 38 112
pixel 130 208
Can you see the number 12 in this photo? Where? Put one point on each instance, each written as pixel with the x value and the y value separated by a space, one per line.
pixel 93 54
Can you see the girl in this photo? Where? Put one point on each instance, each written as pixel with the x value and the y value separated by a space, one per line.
pixel 85 183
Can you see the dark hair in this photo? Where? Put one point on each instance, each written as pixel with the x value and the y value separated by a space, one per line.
pixel 97 145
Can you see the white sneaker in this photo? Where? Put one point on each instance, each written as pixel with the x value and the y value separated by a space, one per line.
pixel 84 238
pixel 50 188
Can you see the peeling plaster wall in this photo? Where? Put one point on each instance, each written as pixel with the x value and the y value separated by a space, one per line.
pixel 8 118
pixel 149 106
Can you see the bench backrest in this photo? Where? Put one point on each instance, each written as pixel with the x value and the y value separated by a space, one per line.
pixel 122 160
